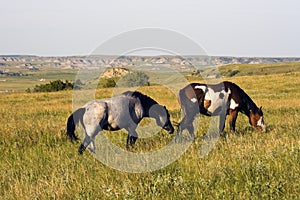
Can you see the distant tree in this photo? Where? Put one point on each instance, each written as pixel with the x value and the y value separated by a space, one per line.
pixel 107 83
pixel 53 86
pixel 234 72
pixel 77 84
pixel 110 83
pixel 134 79
pixel 28 90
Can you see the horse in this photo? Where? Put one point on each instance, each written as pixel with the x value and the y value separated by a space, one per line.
pixel 124 111
pixel 222 99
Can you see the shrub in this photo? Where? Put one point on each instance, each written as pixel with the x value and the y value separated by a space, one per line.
pixel 134 79
pixel 106 83
pixel 28 90
pixel 234 72
pixel 54 86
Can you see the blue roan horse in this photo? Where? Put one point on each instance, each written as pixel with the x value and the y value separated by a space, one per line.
pixel 123 111
pixel 225 98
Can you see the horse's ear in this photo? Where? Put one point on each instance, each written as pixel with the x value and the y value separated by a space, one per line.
pixel 165 107
pixel 260 108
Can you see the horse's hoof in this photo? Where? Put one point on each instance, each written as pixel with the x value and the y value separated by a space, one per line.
pixel 92 150
pixel 132 140
pixel 81 149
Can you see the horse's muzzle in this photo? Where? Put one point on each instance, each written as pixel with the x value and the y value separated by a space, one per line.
pixel 261 128
pixel 264 129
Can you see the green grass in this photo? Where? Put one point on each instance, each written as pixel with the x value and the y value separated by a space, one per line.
pixel 259 69
pixel 38 162
pixel 20 84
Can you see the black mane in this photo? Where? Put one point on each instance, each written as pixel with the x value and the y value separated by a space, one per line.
pixel 246 101
pixel 146 101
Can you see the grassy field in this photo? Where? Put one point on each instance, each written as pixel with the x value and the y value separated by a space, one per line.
pixel 259 69
pixel 38 162
pixel 33 78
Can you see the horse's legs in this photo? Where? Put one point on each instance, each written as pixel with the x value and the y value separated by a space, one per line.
pixel 90 133
pixel 91 146
pixel 131 137
pixel 222 123
pixel 191 129
pixel 186 123
pixel 232 119
pixel 84 144
pixel 93 120
pixel 130 141
pixel 127 141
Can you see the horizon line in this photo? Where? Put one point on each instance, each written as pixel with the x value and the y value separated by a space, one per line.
pixel 109 55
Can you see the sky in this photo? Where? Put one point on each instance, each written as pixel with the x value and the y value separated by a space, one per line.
pixel 261 28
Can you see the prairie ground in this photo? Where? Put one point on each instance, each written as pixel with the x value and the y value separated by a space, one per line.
pixel 38 161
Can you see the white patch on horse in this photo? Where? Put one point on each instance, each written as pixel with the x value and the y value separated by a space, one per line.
pixel 217 100
pixel 201 87
pixel 233 104
pixel 260 122
pixel 229 91
pixel 194 100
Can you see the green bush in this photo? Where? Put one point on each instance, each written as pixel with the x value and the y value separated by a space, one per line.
pixel 234 72
pixel 54 86
pixel 133 79
pixel 106 83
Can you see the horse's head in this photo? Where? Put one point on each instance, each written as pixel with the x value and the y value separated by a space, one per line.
pixel 257 119
pixel 162 117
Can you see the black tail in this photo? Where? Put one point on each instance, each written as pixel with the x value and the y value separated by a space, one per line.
pixel 185 103
pixel 72 121
pixel 182 97
pixel 189 108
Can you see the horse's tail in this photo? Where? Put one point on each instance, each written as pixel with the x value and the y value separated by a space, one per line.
pixel 72 121
pixel 182 95
pixel 188 101
pixel 183 100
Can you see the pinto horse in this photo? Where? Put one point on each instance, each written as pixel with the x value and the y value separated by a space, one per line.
pixel 123 111
pixel 225 98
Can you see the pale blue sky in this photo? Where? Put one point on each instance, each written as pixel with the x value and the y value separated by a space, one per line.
pixel 231 27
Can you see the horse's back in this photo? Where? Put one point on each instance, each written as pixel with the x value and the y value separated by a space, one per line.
pixel 95 111
pixel 212 99
pixel 124 110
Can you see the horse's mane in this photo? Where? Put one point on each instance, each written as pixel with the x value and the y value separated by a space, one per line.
pixel 244 97
pixel 146 101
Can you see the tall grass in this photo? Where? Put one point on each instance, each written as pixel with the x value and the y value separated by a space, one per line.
pixel 38 162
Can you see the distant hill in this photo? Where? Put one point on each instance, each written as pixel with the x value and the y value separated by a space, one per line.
pixel 114 72
pixel 247 70
pixel 17 73
pixel 188 63
pixel 259 69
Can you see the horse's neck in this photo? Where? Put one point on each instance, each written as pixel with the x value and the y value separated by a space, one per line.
pixel 145 101
pixel 248 104
pixel 147 107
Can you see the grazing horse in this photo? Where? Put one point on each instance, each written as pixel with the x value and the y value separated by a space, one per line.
pixel 123 111
pixel 225 98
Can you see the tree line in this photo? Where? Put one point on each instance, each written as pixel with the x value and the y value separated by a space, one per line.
pixel 53 86
pixel 132 79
